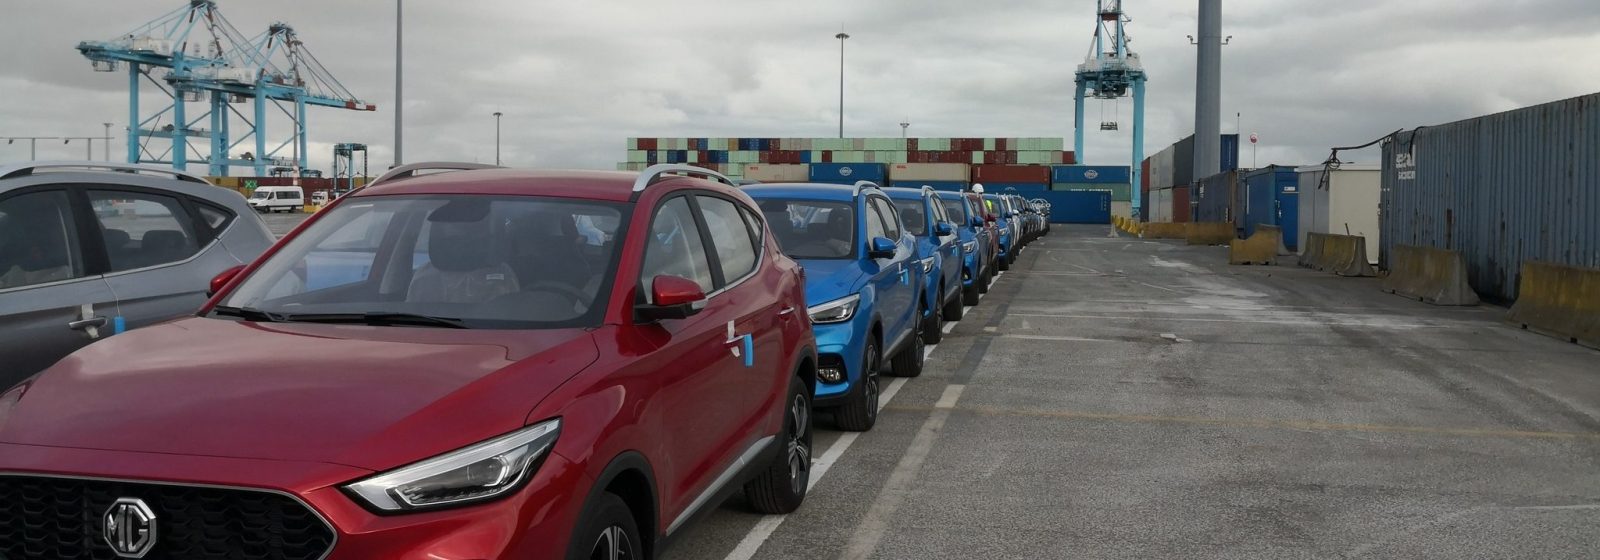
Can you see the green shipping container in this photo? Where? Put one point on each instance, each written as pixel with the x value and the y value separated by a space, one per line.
pixel 640 156
pixel 988 144
pixel 633 143
pixel 717 143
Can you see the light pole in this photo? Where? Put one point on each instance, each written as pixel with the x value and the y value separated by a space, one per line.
pixel 108 141
pixel 497 137
pixel 841 37
pixel 399 106
pixel 903 126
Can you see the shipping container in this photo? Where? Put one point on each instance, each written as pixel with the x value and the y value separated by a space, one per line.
pixel 778 172
pixel 849 173
pixel 1159 209
pixel 1216 198
pixel 1122 208
pixel 1272 198
pixel 1344 201
pixel 1025 189
pixel 1501 189
pixel 1011 174
pixel 1163 173
pixel 1182 205
pixel 1118 192
pixel 1077 207
pixel 943 186
pixel 929 172
pixel 1091 174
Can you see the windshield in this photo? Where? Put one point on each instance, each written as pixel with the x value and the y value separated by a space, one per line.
pixel 916 220
pixel 956 210
pixel 812 229
pixel 489 262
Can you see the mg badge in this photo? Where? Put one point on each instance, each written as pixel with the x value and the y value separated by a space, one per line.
pixel 130 528
pixel 1091 174
pixel 845 172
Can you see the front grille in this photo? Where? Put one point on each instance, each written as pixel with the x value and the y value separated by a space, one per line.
pixel 62 518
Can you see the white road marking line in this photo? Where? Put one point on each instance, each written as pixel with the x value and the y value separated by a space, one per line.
pixel 758 535
pixel 872 528
pixel 950 326
pixel 1057 338
pixel 951 394
pixel 1157 287
pixel 1307 323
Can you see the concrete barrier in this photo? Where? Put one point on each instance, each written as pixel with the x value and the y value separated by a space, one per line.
pixel 1433 275
pixel 1261 248
pixel 1277 234
pixel 1345 255
pixel 1208 233
pixel 1165 230
pixel 1311 251
pixel 1560 300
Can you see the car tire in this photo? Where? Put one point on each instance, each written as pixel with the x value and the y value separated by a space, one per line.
pixel 985 278
pixel 908 363
pixel 782 487
pixel 933 325
pixel 605 522
pixel 970 295
pixel 1005 264
pixel 860 410
pixel 956 308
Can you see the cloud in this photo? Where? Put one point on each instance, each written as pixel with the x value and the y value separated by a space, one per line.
pixel 574 79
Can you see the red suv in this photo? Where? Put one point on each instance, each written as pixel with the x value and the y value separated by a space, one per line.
pixel 479 363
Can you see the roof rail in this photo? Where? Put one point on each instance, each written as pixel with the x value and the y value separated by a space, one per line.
pixel 411 169
pixel 650 174
pixel 865 184
pixel 25 169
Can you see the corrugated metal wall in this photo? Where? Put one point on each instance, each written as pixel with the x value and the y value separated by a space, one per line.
pixel 1501 189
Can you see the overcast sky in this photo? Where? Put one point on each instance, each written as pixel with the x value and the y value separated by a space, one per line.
pixel 575 79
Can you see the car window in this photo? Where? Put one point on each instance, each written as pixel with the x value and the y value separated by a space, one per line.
pixel 215 218
pixel 736 253
pixel 955 211
pixel 675 248
pixel 38 240
pixel 143 229
pixel 875 223
pixel 938 209
pixel 891 219
pixel 912 215
pixel 811 229
pixel 757 232
pixel 490 262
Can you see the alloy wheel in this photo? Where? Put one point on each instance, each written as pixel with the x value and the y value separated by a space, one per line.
pixel 799 448
pixel 613 544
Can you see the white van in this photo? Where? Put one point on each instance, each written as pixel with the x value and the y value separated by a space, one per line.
pixel 273 199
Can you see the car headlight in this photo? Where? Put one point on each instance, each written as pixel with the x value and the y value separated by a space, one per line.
pixel 836 311
pixel 474 473
pixel 927 265
pixel 970 247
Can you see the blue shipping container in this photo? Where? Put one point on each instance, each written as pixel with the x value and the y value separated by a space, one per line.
pixel 849 173
pixel 1230 152
pixel 1077 207
pixel 942 186
pixel 1024 189
pixel 1091 174
pixel 1270 197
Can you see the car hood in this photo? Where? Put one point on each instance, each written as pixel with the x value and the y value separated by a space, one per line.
pixel 368 397
pixel 831 279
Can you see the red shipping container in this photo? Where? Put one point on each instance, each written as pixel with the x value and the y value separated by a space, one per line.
pixel 911 144
pixel 765 157
pixel 1144 175
pixel 1011 174
pixel 827 157
pixel 1011 158
pixel 1180 203
pixel 1002 144
pixel 1069 158
pixel 702 156
pixel 647 143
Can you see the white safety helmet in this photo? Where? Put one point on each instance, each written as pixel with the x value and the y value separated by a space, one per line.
pixel 977 188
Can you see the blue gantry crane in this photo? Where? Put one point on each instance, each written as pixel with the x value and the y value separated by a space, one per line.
pixel 207 60
pixel 1112 72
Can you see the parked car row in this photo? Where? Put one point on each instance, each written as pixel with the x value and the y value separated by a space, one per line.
pixel 460 360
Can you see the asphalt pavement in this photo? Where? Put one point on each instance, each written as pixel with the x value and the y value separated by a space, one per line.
pixel 282 222
pixel 1122 398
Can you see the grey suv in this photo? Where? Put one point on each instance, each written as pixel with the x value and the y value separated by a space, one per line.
pixel 90 249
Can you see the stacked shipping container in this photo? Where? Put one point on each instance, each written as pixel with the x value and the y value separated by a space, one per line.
pixel 1173 167
pixel 730 155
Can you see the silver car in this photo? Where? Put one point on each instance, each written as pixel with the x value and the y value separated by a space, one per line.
pixel 90 249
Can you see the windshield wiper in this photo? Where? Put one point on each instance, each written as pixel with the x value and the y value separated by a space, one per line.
pixel 378 319
pixel 247 313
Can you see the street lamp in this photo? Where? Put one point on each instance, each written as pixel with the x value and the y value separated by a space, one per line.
pixel 497 137
pixel 399 105
pixel 841 37
pixel 108 141
pixel 903 126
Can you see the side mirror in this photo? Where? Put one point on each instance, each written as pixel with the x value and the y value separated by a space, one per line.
pixel 976 221
pixel 222 279
pixel 942 229
pixel 675 298
pixel 882 248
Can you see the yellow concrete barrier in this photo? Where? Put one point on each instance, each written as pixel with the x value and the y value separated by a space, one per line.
pixel 1208 233
pixel 1560 300
pixel 1261 248
pixel 1345 255
pixel 1312 251
pixel 1433 275
pixel 1164 230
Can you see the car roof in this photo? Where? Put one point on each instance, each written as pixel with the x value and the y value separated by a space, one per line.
pixel 81 177
pixel 904 193
pixel 804 191
pixel 614 186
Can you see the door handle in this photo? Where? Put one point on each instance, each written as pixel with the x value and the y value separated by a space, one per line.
pixel 785 312
pixel 87 323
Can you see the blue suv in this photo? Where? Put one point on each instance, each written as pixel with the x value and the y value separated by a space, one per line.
pixel 862 282
pixel 1009 235
pixel 973 234
pixel 939 251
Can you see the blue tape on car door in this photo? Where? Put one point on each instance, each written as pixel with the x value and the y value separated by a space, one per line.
pixel 749 351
